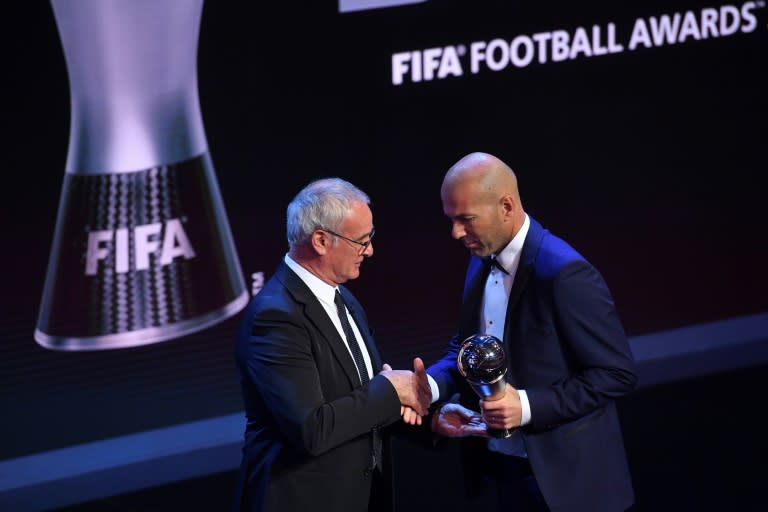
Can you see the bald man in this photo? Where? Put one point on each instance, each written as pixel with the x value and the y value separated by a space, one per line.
pixel 568 356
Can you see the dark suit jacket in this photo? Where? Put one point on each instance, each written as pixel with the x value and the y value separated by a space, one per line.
pixel 308 440
pixel 567 349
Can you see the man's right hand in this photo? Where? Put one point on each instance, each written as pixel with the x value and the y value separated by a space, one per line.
pixel 412 386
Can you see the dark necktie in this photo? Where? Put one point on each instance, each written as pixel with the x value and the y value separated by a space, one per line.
pixel 354 346
pixel 376 442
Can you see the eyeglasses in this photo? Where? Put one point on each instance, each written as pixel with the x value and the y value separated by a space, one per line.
pixel 363 245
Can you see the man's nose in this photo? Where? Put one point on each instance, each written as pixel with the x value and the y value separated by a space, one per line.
pixel 457 231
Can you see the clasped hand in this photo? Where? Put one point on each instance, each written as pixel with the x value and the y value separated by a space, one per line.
pixel 412 389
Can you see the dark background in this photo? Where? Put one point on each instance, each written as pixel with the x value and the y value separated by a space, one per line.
pixel 650 162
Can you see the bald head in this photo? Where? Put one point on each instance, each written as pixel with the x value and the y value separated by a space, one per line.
pixel 480 196
pixel 483 175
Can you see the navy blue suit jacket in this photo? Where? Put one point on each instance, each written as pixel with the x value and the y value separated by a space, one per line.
pixel 567 349
pixel 308 439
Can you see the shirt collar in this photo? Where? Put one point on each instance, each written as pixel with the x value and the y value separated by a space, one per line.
pixel 317 286
pixel 510 255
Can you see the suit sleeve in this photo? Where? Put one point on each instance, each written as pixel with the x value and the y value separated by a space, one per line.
pixel 589 329
pixel 279 363
pixel 445 372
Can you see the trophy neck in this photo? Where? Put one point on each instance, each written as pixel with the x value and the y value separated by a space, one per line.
pixel 495 381
pixel 132 68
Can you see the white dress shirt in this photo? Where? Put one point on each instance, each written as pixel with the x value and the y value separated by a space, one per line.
pixel 325 293
pixel 493 314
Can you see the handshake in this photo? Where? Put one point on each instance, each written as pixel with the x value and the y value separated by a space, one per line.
pixel 412 389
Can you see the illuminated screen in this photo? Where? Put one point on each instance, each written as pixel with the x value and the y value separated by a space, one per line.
pixel 640 143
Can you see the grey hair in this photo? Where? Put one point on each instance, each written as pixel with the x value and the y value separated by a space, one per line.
pixel 322 204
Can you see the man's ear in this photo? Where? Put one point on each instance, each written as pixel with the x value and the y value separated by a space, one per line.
pixel 508 205
pixel 321 242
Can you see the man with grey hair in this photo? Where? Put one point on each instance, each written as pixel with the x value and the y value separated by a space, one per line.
pixel 315 390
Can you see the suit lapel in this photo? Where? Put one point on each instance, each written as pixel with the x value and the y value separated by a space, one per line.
pixel 474 285
pixel 524 270
pixel 319 318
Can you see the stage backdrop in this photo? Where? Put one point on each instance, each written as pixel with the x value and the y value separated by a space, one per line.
pixel 637 131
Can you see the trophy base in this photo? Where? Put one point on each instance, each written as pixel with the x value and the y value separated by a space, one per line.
pixel 501 433
pixel 139 257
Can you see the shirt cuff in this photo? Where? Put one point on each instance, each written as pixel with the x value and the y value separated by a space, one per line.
pixel 434 388
pixel 525 407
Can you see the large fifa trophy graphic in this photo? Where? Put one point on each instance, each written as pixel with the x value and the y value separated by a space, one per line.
pixel 142 250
